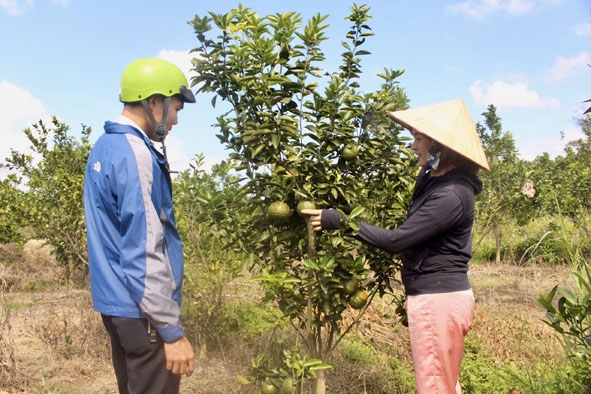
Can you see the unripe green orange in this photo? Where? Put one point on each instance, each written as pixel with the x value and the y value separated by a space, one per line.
pixel 279 211
pixel 268 388
pixel 287 386
pixel 350 152
pixel 305 205
pixel 350 286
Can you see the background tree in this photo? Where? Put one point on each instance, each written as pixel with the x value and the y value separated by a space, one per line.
pixel 502 186
pixel 300 133
pixel 209 207
pixel 578 176
pixel 588 110
pixel 12 210
pixel 51 178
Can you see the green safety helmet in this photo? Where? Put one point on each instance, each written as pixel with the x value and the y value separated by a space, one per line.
pixel 145 77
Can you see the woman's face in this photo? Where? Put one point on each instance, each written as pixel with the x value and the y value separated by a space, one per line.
pixel 420 147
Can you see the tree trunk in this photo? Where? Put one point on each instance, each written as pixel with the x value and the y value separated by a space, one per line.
pixel 498 238
pixel 320 383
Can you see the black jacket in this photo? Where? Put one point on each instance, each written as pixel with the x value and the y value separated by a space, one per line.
pixel 435 242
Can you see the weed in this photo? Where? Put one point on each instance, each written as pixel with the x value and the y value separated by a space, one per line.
pixel 8 367
pixel 568 310
pixel 73 331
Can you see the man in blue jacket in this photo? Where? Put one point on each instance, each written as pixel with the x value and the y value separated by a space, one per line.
pixel 134 249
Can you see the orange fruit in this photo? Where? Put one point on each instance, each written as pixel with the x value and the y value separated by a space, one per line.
pixel 287 386
pixel 279 211
pixel 350 286
pixel 305 205
pixel 268 388
pixel 350 152
pixel 358 300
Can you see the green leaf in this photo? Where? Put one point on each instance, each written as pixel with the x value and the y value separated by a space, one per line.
pixel 568 294
pixel 312 362
pixel 320 367
pixel 545 300
pixel 356 212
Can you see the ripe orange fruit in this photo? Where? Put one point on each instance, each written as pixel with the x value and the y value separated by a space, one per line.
pixel 358 300
pixel 279 211
pixel 350 152
pixel 305 205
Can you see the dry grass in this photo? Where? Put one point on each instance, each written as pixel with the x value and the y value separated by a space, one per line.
pixel 508 322
pixel 52 342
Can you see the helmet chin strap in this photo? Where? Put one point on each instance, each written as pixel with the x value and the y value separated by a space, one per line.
pixel 160 127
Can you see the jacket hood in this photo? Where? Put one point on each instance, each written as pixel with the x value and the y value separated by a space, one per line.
pixel 123 128
pixel 472 179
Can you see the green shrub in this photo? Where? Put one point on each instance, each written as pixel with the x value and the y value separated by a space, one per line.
pixel 480 373
pixel 568 310
pixel 207 206
pixel 561 379
pixel 483 374
pixel 539 241
pixel 253 319
pixel 361 368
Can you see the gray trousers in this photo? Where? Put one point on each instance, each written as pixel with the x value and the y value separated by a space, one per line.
pixel 140 364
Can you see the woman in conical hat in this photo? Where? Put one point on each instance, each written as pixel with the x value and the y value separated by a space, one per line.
pixel 435 241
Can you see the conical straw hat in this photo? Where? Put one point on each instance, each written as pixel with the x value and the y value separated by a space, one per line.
pixel 448 123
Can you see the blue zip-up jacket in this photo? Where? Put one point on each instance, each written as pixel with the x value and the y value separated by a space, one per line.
pixel 134 249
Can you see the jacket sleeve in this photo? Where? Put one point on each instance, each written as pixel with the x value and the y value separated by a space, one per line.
pixel 144 261
pixel 441 212
pixel 436 215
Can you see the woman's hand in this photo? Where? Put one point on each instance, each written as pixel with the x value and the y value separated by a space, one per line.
pixel 315 218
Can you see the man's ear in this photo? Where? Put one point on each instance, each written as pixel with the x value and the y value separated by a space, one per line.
pixel 153 100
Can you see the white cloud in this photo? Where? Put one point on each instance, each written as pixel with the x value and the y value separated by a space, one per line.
pixel 181 58
pixel 21 7
pixel 519 7
pixel 565 67
pixel 16 7
pixel 582 29
pixel 179 160
pixel 480 8
pixel 530 148
pixel 20 109
pixel 504 95
pixel 19 105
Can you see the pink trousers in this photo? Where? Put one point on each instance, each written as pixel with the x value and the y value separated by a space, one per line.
pixel 437 326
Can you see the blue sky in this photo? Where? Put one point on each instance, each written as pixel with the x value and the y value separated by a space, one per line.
pixel 527 57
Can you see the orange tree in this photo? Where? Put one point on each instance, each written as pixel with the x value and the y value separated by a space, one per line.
pixel 301 133
pixel 51 178
pixel 208 205
pixel 501 196
pixel 12 210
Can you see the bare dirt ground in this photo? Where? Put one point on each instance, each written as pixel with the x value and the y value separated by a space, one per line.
pixel 57 343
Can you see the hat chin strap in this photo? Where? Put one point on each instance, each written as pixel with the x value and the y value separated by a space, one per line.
pixel 433 156
pixel 160 127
